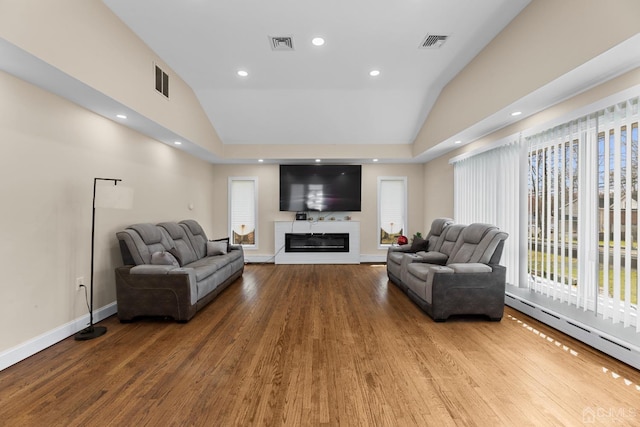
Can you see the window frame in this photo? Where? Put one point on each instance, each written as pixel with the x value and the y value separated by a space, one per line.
pixel 382 179
pixel 231 180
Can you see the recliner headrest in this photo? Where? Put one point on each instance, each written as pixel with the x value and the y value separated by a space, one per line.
pixel 474 233
pixel 174 230
pixel 453 232
pixel 439 224
pixel 193 226
pixel 149 233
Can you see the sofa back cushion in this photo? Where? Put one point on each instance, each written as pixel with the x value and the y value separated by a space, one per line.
pixel 472 244
pixel 182 244
pixel 435 237
pixel 450 237
pixel 139 241
pixel 196 235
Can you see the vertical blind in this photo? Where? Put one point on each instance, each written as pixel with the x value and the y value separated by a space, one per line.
pixel 487 189
pixel 579 215
pixel 583 192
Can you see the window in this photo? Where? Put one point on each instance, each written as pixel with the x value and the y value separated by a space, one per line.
pixel 243 200
pixel 392 209
pixel 583 204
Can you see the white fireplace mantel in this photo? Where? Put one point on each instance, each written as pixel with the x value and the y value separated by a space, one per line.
pixel 351 227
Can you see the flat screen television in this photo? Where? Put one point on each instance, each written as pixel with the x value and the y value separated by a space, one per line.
pixel 321 188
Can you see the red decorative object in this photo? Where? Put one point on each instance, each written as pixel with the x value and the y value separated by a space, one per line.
pixel 402 240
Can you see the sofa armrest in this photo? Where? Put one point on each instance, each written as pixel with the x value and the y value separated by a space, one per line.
pixel 470 267
pixel 433 257
pixel 148 290
pixel 400 248
pixel 469 292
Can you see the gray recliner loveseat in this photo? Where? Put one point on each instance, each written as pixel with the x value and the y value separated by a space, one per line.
pixel 469 281
pixel 172 270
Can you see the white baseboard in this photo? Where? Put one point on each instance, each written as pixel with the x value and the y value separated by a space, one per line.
pixel 581 326
pixel 373 258
pixel 259 259
pixel 29 348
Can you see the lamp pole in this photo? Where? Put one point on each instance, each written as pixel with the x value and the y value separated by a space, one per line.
pixel 92 331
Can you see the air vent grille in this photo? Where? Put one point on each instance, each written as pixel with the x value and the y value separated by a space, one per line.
pixel 162 81
pixel 281 43
pixel 433 41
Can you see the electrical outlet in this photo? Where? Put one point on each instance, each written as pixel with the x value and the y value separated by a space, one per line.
pixel 79 283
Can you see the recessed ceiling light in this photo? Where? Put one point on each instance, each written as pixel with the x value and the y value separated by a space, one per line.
pixel 261 160
pixel 374 73
pixel 243 73
pixel 457 142
pixel 516 113
pixel 121 116
pixel 318 160
pixel 317 41
pixel 375 160
pixel 177 143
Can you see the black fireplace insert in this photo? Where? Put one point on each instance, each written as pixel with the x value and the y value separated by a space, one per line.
pixel 316 242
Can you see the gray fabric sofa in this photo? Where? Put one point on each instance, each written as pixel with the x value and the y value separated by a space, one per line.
pixel 464 277
pixel 172 270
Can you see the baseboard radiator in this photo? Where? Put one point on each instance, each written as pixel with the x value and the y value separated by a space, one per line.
pixel 617 348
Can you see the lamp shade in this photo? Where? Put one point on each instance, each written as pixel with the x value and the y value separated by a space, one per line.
pixel 114 197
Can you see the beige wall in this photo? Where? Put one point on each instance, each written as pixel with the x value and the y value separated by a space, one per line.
pixel 438 190
pixel 85 40
pixel 546 40
pixel 50 152
pixel 438 173
pixel 268 205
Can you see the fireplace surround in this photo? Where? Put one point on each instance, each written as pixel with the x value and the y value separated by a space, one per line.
pixel 317 242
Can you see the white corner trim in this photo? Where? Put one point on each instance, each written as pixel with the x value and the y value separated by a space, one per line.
pixel 29 348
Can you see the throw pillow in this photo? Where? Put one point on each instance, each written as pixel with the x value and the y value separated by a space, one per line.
pixel 164 258
pixel 419 244
pixel 173 251
pixel 216 248
pixel 224 239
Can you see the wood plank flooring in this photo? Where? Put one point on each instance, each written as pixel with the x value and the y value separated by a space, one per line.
pixel 302 345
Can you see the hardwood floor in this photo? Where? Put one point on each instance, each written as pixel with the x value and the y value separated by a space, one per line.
pixel 320 345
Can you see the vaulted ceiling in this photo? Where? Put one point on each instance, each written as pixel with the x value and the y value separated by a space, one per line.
pixel 295 92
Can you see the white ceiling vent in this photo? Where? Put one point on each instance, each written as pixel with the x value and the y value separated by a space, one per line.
pixel 432 41
pixel 281 43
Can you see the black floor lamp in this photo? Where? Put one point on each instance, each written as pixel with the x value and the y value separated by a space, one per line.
pixel 118 201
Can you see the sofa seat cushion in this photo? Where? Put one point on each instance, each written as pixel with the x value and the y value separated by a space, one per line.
pixel 206 266
pixel 396 257
pixel 419 270
pixel 420 278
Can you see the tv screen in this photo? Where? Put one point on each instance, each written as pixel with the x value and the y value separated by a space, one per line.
pixel 322 188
